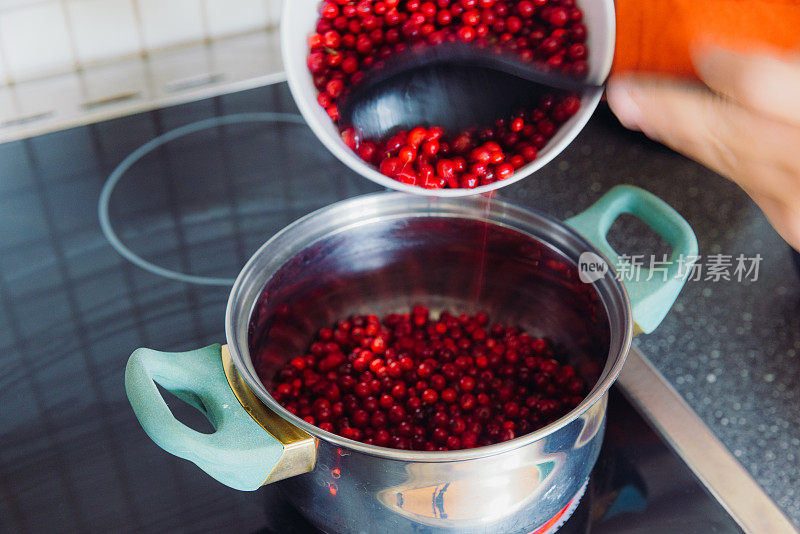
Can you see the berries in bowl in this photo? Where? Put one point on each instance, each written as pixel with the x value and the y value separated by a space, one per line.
pixel 330 46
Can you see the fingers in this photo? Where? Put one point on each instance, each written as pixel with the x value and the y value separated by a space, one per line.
pixel 745 124
pixel 687 118
pixel 760 154
pixel 766 84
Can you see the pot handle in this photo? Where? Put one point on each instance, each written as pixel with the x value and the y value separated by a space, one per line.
pixel 651 294
pixel 240 453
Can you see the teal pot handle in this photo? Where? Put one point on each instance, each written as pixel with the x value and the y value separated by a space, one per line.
pixel 651 294
pixel 240 453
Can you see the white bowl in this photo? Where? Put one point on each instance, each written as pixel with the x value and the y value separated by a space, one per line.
pixel 300 20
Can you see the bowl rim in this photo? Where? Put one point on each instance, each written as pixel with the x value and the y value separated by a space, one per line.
pixel 244 289
pixel 318 123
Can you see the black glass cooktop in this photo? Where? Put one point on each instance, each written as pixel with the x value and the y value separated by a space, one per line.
pixel 72 456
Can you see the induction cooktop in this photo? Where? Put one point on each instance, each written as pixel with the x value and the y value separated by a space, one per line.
pixel 178 221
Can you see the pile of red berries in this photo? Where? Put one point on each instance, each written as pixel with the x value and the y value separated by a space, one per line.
pixel 413 382
pixel 353 36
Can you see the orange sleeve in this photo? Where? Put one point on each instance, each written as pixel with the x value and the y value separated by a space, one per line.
pixel 656 35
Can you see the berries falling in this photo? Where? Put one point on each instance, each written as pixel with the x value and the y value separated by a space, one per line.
pixel 353 36
pixel 414 382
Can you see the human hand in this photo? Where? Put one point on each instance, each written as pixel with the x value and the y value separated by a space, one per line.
pixel 743 123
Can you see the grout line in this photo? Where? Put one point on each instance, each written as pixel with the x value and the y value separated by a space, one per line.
pixel 15 98
pixel 76 65
pixel 9 79
pixel 273 19
pixel 205 21
pixel 137 20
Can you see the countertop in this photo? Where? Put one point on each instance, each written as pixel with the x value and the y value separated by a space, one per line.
pixel 730 348
pixel 72 310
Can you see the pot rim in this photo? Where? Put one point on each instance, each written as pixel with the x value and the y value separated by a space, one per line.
pixel 241 359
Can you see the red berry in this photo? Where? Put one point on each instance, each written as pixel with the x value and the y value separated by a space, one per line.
pixel 407 154
pixel 329 10
pixel 577 51
pixel 525 8
pixel 466 34
pixel 557 16
pixel 467 383
pixel 430 148
pixel 429 396
pixel 467 401
pixel 424 370
pixel 416 137
pixel 504 171
pixel 334 88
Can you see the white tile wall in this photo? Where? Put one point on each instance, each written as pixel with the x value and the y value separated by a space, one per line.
pixel 38 95
pixel 103 29
pixel 35 40
pixel 226 19
pixel 43 37
pixel 3 73
pixel 170 22
pixel 274 8
pixel 12 4
pixel 9 107
pixel 113 81
pixel 140 83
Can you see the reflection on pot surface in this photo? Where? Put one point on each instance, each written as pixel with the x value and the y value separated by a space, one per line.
pixel 517 491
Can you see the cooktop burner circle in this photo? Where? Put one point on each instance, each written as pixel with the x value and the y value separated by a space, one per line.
pixel 262 171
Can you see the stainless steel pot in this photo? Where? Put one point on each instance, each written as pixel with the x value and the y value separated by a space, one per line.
pixel 385 252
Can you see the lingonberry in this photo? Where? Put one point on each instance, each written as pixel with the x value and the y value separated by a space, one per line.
pixel 429 396
pixel 466 383
pixel 414 403
pixel 449 395
pixel 396 413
